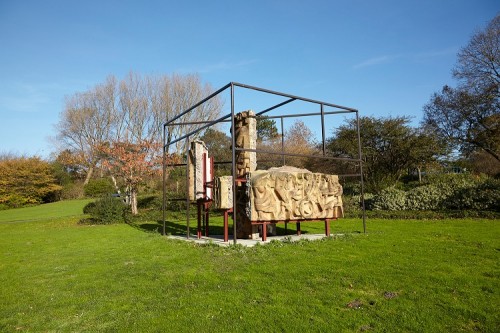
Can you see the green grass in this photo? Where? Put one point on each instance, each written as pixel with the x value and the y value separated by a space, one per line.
pixel 51 210
pixel 403 276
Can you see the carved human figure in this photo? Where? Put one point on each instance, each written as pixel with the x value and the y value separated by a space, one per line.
pixel 331 190
pixel 245 130
pixel 282 190
pixel 264 200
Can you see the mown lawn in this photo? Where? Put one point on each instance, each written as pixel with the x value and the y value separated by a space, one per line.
pixel 403 276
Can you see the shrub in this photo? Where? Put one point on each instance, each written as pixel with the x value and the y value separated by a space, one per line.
pixel 72 191
pixel 89 208
pixel 390 198
pixel 26 181
pixel 449 192
pixel 99 187
pixel 426 214
pixel 482 196
pixel 107 210
pixel 150 202
pixel 352 203
pixel 427 197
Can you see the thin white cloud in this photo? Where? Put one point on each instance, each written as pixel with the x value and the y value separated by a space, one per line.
pixel 385 59
pixel 375 61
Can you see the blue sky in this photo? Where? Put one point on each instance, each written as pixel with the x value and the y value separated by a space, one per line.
pixel 384 58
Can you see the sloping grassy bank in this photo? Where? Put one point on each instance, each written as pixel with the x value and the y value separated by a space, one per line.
pixel 411 276
pixel 46 211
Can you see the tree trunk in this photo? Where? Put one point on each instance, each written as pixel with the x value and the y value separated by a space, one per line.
pixel 89 175
pixel 117 189
pixel 419 171
pixel 133 201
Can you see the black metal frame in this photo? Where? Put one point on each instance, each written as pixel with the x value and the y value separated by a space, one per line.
pixel 207 124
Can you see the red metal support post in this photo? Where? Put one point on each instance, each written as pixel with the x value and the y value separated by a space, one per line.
pixel 198 230
pixel 264 232
pixel 226 223
pixel 207 213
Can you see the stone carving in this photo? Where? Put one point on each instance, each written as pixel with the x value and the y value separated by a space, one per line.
pixel 266 197
pixel 289 193
pixel 223 192
pixel 199 171
pixel 245 137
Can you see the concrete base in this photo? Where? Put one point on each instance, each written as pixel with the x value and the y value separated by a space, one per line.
pixel 219 239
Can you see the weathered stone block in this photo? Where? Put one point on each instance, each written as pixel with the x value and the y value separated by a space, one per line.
pixel 223 192
pixel 246 137
pixel 199 170
pixel 289 193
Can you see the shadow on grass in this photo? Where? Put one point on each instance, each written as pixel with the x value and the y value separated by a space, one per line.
pixel 179 228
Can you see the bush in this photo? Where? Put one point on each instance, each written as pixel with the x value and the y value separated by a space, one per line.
pixel 427 197
pixel 449 192
pixel 89 208
pixel 150 202
pixel 483 196
pixel 99 187
pixel 352 203
pixel 106 210
pixel 390 198
pixel 426 214
pixel 26 181
pixel 72 191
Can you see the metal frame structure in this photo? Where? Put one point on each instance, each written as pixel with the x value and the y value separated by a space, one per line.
pixel 230 119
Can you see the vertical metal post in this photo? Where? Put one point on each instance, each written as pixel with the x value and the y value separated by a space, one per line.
pixel 360 157
pixel 233 146
pixel 323 128
pixel 187 187
pixel 282 142
pixel 164 178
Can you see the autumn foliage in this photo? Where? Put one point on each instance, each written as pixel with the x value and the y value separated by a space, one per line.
pixel 132 162
pixel 25 181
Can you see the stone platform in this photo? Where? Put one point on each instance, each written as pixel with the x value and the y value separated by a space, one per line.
pixel 219 239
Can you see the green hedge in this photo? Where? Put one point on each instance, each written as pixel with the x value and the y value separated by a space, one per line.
pixel 449 192
pixel 99 187
pixel 424 214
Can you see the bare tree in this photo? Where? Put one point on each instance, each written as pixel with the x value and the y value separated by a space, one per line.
pixel 479 62
pixel 180 94
pixel 130 113
pixel 469 115
pixel 299 140
pixel 87 122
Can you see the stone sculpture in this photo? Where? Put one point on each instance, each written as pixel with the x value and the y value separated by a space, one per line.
pixel 223 192
pixel 199 171
pixel 264 197
pixel 288 193
pixel 245 137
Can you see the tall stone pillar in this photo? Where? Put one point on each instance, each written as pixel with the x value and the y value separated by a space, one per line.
pixel 246 162
pixel 196 171
pixel 246 137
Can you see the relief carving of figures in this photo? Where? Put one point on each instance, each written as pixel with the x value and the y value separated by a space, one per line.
pixel 279 195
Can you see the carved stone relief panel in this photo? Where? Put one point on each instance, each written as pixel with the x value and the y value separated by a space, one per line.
pixel 289 193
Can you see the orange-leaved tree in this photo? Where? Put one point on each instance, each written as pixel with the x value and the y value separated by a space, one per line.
pixel 132 162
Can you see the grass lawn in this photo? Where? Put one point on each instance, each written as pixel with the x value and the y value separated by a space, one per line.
pixel 403 276
pixel 51 210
